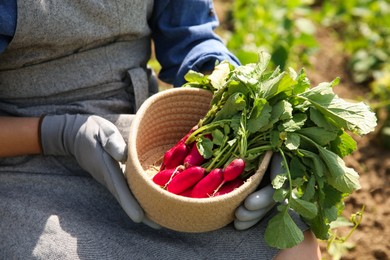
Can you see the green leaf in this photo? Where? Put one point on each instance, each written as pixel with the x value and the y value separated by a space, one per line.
pixel 232 142
pixel 343 145
pixel 280 195
pixel 282 110
pixel 218 95
pixel 353 116
pixel 282 207
pixel 332 197
pixel 261 66
pixel 340 176
pixel 235 103
pixel 297 168
pixel 309 189
pixel 341 222
pixel 275 139
pixel 246 74
pixel 320 120
pixel 226 129
pixel 295 123
pixel 292 141
pixel 281 83
pixel 205 147
pixel 331 213
pixel 319 166
pixel 218 137
pixel 259 116
pixel 234 86
pixel 319 135
pixel 219 75
pixel 235 123
pixel 195 77
pixel 303 83
pixel 282 232
pixel 304 208
pixel 297 182
pixel 287 110
pixel 319 226
pixel 278 181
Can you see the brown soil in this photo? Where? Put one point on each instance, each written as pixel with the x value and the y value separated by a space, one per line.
pixel 371 160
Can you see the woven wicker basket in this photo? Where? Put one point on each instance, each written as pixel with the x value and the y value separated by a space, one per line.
pixel 161 121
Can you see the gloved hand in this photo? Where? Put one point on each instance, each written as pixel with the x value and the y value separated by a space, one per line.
pixel 260 202
pixel 97 146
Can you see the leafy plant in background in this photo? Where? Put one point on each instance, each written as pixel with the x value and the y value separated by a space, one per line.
pixel 278 27
pixel 380 90
pixel 364 28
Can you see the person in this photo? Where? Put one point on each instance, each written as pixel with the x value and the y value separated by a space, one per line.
pixel 72 76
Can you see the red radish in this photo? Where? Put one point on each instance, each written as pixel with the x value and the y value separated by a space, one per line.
pixel 163 177
pixel 171 156
pixel 229 186
pixel 206 187
pixel 175 156
pixel 186 179
pixel 194 158
pixel 186 193
pixel 234 169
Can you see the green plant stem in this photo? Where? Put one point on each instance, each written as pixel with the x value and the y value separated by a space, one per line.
pixel 258 137
pixel 285 164
pixel 260 149
pixel 205 128
pixel 356 219
pixel 225 151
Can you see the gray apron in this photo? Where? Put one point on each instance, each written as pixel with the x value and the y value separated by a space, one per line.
pixel 90 57
pixel 82 57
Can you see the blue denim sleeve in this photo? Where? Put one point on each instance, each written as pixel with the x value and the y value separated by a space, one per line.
pixel 184 38
pixel 7 22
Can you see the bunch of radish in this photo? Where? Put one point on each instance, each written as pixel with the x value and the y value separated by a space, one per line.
pixel 183 172
pixel 254 110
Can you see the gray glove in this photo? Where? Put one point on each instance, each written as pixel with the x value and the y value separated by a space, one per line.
pixel 260 202
pixel 97 146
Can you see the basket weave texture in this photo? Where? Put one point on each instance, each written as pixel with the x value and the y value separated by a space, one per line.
pixel 161 121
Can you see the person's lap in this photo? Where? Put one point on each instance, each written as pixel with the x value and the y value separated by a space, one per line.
pixel 68 215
